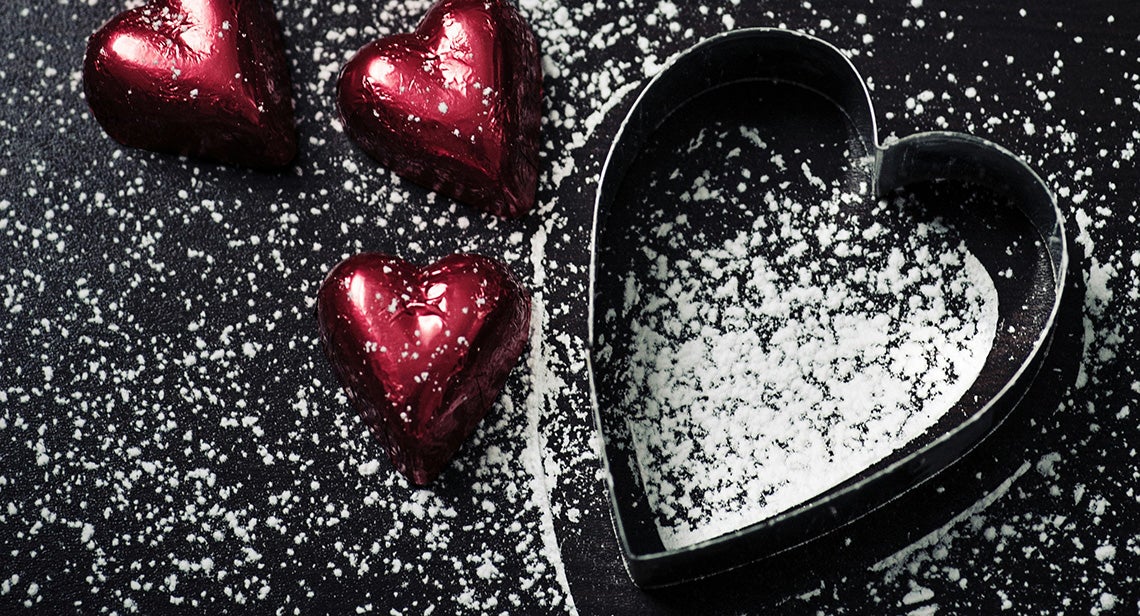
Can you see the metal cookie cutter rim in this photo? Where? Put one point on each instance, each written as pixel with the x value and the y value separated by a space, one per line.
pixel 782 55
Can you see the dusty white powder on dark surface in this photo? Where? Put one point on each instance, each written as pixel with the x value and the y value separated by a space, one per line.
pixel 769 389
pixel 171 437
pixel 783 361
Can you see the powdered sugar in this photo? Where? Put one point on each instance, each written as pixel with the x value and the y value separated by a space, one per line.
pixel 783 360
pixel 110 255
pixel 774 410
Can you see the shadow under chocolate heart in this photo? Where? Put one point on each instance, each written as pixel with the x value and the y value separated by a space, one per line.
pixel 776 351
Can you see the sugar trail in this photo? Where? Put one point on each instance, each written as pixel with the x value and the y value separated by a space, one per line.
pixel 545 387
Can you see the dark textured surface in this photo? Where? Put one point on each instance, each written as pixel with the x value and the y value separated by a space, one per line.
pixel 171 437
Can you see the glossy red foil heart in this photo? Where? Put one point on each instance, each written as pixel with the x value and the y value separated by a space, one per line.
pixel 455 105
pixel 422 353
pixel 203 78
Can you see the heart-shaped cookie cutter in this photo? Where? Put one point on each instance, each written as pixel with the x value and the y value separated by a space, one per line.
pixel 766 54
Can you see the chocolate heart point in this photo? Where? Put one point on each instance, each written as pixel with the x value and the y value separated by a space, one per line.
pixel 422 353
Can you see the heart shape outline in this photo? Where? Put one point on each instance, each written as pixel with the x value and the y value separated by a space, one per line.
pixel 454 105
pixel 202 78
pixel 771 54
pixel 422 352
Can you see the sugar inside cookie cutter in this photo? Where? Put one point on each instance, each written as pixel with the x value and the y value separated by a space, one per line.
pixel 781 56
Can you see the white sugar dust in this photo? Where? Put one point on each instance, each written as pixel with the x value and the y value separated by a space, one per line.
pixel 778 364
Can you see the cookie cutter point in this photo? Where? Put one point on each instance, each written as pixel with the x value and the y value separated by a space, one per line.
pixel 779 55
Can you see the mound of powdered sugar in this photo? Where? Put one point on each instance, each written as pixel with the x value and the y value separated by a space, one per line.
pixel 778 363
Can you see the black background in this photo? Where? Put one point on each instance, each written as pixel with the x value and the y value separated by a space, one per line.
pixel 172 439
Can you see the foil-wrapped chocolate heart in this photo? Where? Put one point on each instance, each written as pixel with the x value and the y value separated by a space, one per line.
pixel 422 352
pixel 203 78
pixel 454 106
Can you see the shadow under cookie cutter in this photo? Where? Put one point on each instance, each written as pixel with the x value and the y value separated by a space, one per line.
pixel 765 54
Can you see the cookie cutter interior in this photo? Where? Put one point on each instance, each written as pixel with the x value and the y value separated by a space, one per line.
pixel 993 197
